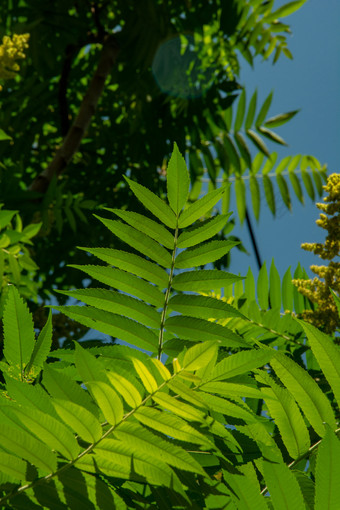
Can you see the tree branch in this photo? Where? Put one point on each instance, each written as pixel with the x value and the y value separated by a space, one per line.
pixel 81 123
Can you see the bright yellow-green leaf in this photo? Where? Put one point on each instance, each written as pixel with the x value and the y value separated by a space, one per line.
pixel 108 401
pixel 146 377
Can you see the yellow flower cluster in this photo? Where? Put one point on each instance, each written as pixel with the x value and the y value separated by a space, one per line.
pixel 11 50
pixel 326 315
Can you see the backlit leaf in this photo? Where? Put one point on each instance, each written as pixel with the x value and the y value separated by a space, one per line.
pixel 264 110
pixel 258 142
pixel 203 254
pixel 203 307
pixel 200 233
pixel 279 120
pixel 41 348
pixel 199 355
pixel 19 338
pixel 81 421
pixel 305 391
pixel 112 324
pixel 125 282
pixel 255 195
pixel 177 181
pixel 49 430
pixel 119 303
pixel 153 203
pixel 198 209
pixel 144 224
pixel 240 192
pixel 145 375
pixel 171 425
pixel 138 241
pixel 269 193
pixel 327 473
pixel 240 363
pixel 243 148
pixel 26 446
pixel 262 287
pixel 287 291
pixel 283 409
pixel 274 287
pixel 208 279
pixel 240 111
pixel 278 478
pixel 141 439
pixel 108 401
pixel 327 354
pixel 194 329
pixel 251 111
pixel 125 388
pixel 13 467
pixel 274 137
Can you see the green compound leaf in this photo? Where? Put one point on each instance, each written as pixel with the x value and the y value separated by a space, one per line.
pixel 269 193
pixel 255 196
pixel 171 425
pixel 108 400
pixel 327 354
pixel 112 324
pixel 12 467
pixel 274 287
pixel 199 355
pixel 200 207
pixel 153 203
pixel 248 495
pixel 125 282
pixel 204 307
pixel 49 430
pixel 133 264
pixel 258 142
pixel 145 375
pixel 149 227
pixel 204 280
pixel 27 447
pixel 240 192
pixel 116 302
pixel 19 338
pixel 193 329
pixel 203 231
pixel 81 421
pixel 41 348
pixel 177 181
pixel 240 111
pixel 141 439
pixel 138 241
pixel 264 110
pixel 287 291
pixel 263 287
pixel 283 409
pixel 280 119
pixel 251 111
pixel 125 388
pixel 305 391
pixel 278 478
pixel 327 473
pixel 204 254
pixel 240 363
pixel 285 10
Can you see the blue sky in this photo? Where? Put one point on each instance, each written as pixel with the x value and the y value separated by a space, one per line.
pixel 310 82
